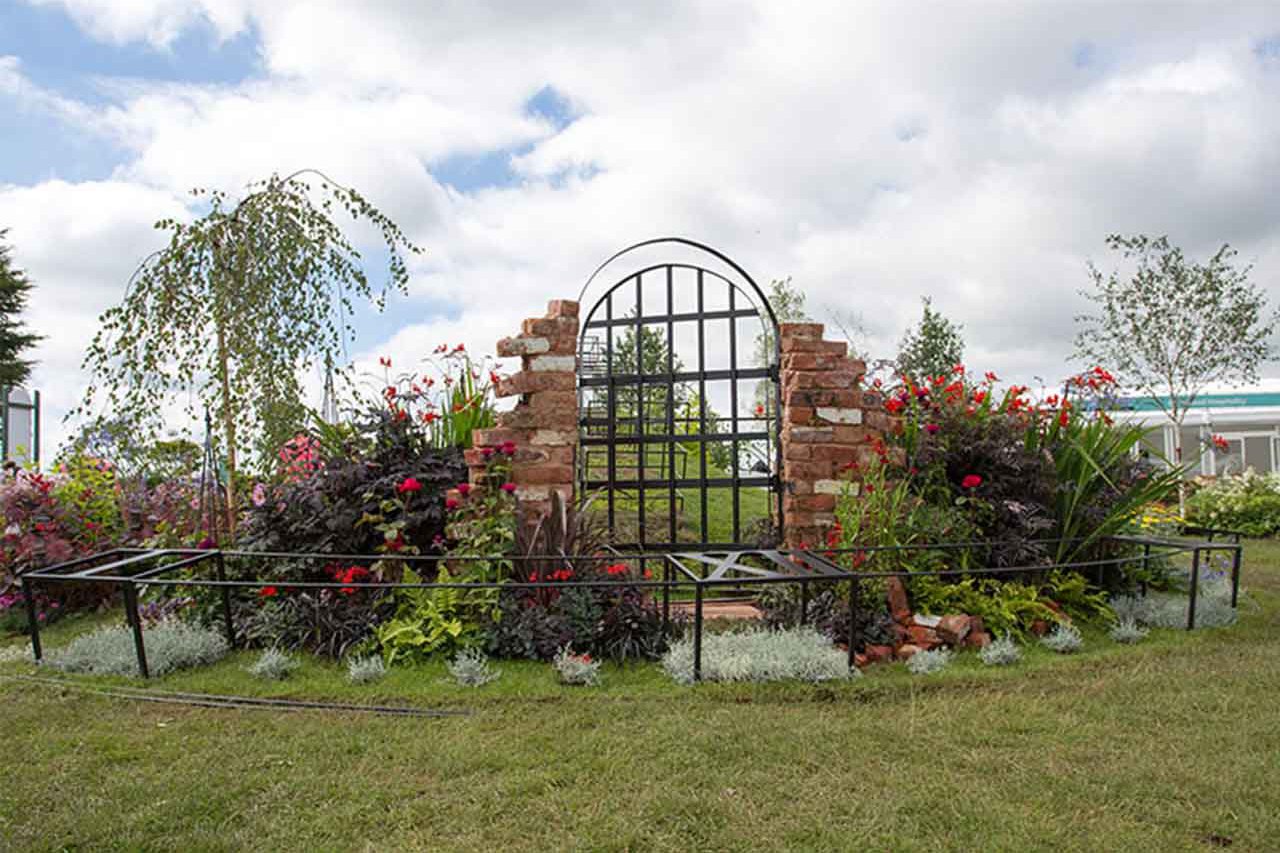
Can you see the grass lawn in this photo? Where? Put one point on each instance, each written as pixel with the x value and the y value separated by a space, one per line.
pixel 1170 745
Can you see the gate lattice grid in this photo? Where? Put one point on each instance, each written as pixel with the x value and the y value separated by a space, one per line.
pixel 672 473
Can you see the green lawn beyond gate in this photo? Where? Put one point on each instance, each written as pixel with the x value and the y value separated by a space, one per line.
pixel 1170 745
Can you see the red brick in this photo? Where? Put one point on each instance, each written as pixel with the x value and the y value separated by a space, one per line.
pixel 800 414
pixel 562 308
pixel 812 331
pixel 541 474
pixel 526 382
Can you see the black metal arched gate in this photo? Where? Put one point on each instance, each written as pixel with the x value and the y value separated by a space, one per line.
pixel 679 403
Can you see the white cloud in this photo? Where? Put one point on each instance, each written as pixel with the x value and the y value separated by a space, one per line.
pixel 875 153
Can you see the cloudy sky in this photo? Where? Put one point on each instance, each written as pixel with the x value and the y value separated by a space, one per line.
pixel 976 153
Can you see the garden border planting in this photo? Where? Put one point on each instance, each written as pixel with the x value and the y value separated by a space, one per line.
pixel 702 571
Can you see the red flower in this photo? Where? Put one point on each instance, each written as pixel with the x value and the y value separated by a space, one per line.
pixel 932 429
pixel 268 592
pixel 1221 443
pixel 409 486
pixel 451 503
pixel 971 481
pixel 759 410
pixel 616 569
pixel 384 361
pixel 428 417
pixel 585 658
pixel 509 488
pixel 464 489
pixel 508 448
pixel 991 377
pixel 894 406
pixel 486 452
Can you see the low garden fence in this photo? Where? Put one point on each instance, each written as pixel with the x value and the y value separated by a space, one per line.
pixel 703 572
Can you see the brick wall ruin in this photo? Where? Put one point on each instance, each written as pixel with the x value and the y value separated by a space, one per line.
pixel 828 421
pixel 544 423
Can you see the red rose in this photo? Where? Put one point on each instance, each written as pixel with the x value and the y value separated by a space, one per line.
pixel 451 503
pixel 464 489
pixel 509 488
pixel 971 481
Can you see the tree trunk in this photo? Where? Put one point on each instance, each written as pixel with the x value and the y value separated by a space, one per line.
pixel 228 428
pixel 1177 461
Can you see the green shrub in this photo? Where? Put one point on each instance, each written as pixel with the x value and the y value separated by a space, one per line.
pixel 760 655
pixel 170 646
pixel 1249 503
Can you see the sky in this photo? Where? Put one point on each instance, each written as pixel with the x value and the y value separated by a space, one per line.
pixel 876 153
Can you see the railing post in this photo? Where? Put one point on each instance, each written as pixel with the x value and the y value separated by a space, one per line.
pixel 1236 556
pixel 1146 559
pixel 697 632
pixel 227 621
pixel 1195 586
pixel 135 622
pixel 804 603
pixel 33 619
pixel 853 616
pixel 667 573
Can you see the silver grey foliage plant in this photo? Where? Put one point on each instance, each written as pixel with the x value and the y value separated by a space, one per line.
pixel 760 655
pixel 1063 639
pixel 472 669
pixel 273 665
pixel 1127 631
pixel 929 662
pixel 170 645
pixel 1001 652
pixel 576 669
pixel 365 670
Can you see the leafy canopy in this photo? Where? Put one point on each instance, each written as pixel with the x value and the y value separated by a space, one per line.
pixel 1175 325
pixel 933 347
pixel 240 303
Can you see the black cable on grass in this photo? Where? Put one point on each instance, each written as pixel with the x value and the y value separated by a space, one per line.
pixel 213 700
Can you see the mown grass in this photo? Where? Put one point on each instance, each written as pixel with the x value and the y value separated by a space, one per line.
pixel 1170 745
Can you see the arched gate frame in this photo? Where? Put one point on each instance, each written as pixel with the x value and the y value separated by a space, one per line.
pixel 646 420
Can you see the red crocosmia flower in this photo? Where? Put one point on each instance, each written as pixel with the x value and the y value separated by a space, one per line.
pixel 409 485
pixel 464 489
pixel 429 417
pixel 348 590
pixel 979 396
pixel 971 481
pixel 959 368
pixel 648 574
pixel 389 392
pixel 991 377
pixel 1220 443
pixel 894 406
pixel 460 348
pixel 451 503
pixel 932 429
pixel 509 488
pixel 1064 418
pixel 494 378
pixel 384 361
pixel 616 569
pixel 759 410
pixel 268 592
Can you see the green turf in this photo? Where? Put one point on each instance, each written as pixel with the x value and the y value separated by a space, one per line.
pixel 1170 745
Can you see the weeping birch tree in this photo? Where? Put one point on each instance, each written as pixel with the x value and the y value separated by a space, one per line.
pixel 241 302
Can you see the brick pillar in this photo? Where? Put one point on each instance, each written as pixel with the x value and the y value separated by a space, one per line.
pixel 544 423
pixel 827 421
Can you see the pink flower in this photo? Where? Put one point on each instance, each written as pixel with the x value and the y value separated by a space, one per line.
pixel 259 494
pixel 464 489
pixel 508 448
pixel 509 488
pixel 451 503
pixel 409 486
pixel 971 481
pixel 932 429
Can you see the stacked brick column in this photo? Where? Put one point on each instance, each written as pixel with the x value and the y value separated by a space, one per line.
pixel 828 421
pixel 544 423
